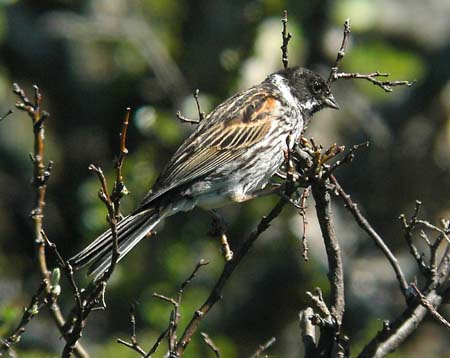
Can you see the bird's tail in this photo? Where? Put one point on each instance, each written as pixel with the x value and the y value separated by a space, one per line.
pixel 130 230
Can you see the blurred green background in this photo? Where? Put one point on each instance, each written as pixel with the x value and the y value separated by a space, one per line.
pixel 92 59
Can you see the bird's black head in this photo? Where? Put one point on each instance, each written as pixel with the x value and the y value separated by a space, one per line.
pixel 309 88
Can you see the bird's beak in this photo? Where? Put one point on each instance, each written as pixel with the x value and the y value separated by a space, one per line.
pixel 330 102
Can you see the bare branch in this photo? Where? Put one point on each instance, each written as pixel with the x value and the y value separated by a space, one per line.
pixel 286 37
pixel 340 54
pixel 36 304
pixel 95 293
pixel 209 342
pixel 425 303
pixel 185 119
pixel 119 189
pixel 387 86
pixel 201 115
pixel 302 213
pixel 364 224
pixel 327 342
pixel 229 268
pixel 175 316
pixel 263 347
pixel 308 331
pixel 394 334
pixel 41 174
pixel 8 113
pixel 134 342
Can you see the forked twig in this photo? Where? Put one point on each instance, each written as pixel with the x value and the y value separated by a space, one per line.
pixel 201 115
pixel 372 77
pixel 340 54
pixel 427 304
pixel 134 342
pixel 8 113
pixel 387 86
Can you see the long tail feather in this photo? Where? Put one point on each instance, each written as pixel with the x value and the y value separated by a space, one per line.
pixel 130 231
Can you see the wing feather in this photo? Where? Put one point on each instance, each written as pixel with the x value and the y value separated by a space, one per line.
pixel 223 136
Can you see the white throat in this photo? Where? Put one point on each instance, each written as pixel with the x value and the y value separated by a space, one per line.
pixel 286 92
pixel 309 105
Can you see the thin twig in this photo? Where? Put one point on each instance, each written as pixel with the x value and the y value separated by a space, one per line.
pixel 171 330
pixel 394 334
pixel 364 224
pixel 340 54
pixel 134 342
pixel 36 304
pixel 263 347
pixel 387 86
pixel 302 213
pixel 67 269
pixel 41 174
pixel 425 303
pixel 95 293
pixel 229 268
pixel 209 342
pixel 185 119
pixel 286 37
pixel 119 189
pixel 201 115
pixel 348 158
pixel 158 342
pixel 8 113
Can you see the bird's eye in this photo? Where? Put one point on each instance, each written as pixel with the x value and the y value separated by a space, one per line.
pixel 316 87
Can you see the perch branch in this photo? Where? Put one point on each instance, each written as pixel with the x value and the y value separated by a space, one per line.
pixel 329 338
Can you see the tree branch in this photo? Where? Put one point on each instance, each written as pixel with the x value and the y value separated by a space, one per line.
pixel 329 338
pixel 286 37
pixel 364 224
pixel 230 266
pixel 387 86
pixel 41 174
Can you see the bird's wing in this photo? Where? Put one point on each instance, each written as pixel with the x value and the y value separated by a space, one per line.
pixel 224 135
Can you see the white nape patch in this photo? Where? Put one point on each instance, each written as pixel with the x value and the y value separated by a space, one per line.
pixel 280 82
pixel 309 105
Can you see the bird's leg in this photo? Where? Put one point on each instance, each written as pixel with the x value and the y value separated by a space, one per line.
pixel 219 230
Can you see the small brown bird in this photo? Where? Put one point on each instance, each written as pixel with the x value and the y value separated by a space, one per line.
pixel 230 157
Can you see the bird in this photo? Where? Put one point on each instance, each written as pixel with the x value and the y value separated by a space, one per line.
pixel 229 158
